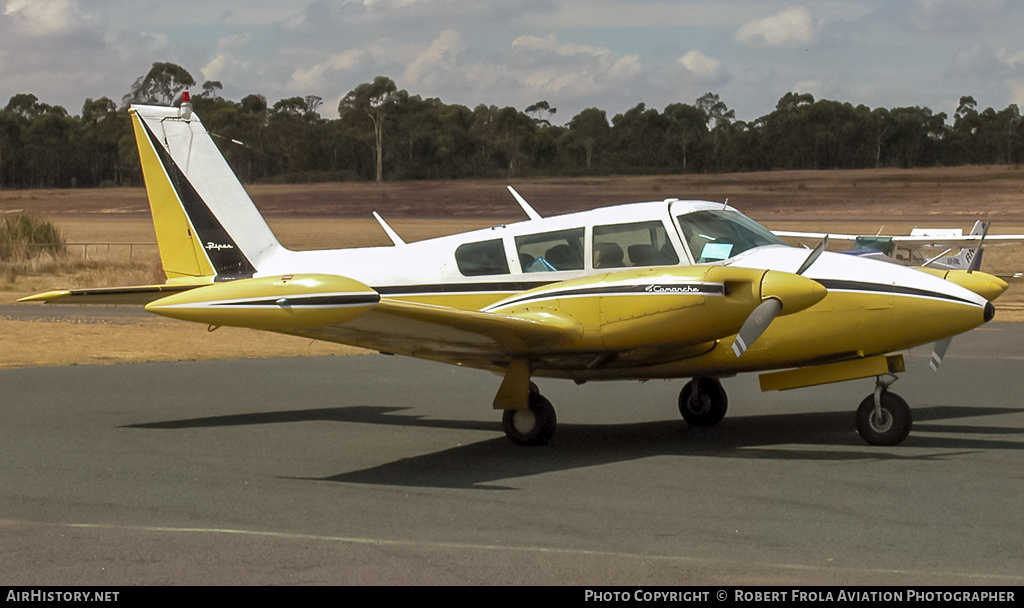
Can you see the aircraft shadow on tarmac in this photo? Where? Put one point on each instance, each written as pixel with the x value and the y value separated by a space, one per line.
pixel 478 465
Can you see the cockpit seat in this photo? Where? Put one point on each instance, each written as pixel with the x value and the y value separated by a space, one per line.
pixel 608 255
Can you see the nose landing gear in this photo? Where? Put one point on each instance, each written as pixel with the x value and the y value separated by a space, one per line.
pixel 883 418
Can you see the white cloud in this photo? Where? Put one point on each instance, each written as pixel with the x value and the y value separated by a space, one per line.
pixel 312 77
pixel 547 67
pixel 439 58
pixel 1017 92
pixel 791 27
pixel 226 68
pixel 700 64
pixel 551 45
pixel 42 17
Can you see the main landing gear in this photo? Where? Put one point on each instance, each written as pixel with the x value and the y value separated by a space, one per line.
pixel 703 402
pixel 883 418
pixel 532 426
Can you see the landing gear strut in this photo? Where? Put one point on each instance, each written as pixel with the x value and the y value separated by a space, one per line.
pixel 883 418
pixel 703 402
pixel 532 426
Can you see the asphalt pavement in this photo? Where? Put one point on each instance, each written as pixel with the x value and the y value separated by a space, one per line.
pixel 384 470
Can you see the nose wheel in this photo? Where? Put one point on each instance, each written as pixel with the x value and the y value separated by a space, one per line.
pixel 883 418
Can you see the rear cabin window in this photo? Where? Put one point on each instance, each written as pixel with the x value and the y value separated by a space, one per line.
pixel 560 250
pixel 633 245
pixel 477 259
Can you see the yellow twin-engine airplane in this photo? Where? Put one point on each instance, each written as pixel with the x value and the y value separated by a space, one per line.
pixel 669 289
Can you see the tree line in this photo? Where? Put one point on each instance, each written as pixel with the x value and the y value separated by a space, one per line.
pixel 385 133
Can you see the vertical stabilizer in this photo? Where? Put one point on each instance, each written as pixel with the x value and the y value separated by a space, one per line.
pixel 207 227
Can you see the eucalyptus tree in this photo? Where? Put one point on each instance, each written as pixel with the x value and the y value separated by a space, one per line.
pixel 375 99
pixel 719 118
pixel 687 130
pixel 589 130
pixel 639 136
pixel 161 85
pixel 97 137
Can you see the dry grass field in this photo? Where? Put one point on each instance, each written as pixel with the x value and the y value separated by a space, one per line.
pixel 338 215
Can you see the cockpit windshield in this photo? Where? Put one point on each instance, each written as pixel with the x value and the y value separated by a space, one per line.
pixel 721 234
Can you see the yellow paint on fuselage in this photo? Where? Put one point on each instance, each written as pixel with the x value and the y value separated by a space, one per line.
pixel 844 325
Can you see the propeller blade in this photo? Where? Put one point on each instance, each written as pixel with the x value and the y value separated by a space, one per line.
pixel 938 352
pixel 758 321
pixel 814 255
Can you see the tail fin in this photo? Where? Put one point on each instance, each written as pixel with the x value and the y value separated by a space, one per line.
pixel 973 257
pixel 207 227
pixel 969 258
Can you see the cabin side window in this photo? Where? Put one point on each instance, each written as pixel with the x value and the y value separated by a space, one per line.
pixel 559 250
pixel 633 245
pixel 477 259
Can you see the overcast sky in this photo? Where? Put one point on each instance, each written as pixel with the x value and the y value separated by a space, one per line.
pixel 575 54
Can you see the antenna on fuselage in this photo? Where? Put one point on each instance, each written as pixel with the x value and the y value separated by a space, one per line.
pixel 530 212
pixel 397 240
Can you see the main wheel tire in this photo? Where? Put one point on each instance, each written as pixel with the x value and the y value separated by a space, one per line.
pixel 703 402
pixel 532 426
pixel 892 423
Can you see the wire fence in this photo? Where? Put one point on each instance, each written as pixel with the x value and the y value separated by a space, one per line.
pixel 95 250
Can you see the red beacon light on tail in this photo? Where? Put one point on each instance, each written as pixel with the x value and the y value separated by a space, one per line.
pixel 185 111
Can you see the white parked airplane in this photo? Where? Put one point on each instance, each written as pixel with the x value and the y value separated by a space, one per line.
pixel 665 289
pixel 941 248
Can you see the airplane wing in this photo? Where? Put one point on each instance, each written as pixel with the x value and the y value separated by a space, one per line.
pixel 583 319
pixel 814 235
pixel 912 241
pixel 343 310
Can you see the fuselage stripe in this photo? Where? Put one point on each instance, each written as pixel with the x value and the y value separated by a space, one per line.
pixel 889 289
pixel 294 301
pixel 651 289
pixel 460 288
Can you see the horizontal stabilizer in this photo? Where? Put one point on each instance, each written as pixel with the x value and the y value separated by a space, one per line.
pixel 138 295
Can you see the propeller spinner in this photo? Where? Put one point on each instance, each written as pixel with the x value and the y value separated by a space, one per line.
pixel 765 312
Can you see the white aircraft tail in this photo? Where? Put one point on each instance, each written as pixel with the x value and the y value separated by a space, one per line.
pixel 969 258
pixel 207 227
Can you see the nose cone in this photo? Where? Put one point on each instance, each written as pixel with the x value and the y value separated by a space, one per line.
pixel 794 291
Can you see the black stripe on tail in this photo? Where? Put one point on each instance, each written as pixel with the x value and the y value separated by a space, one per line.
pixel 227 258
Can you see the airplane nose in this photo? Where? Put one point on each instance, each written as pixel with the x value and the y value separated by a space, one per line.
pixel 990 312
